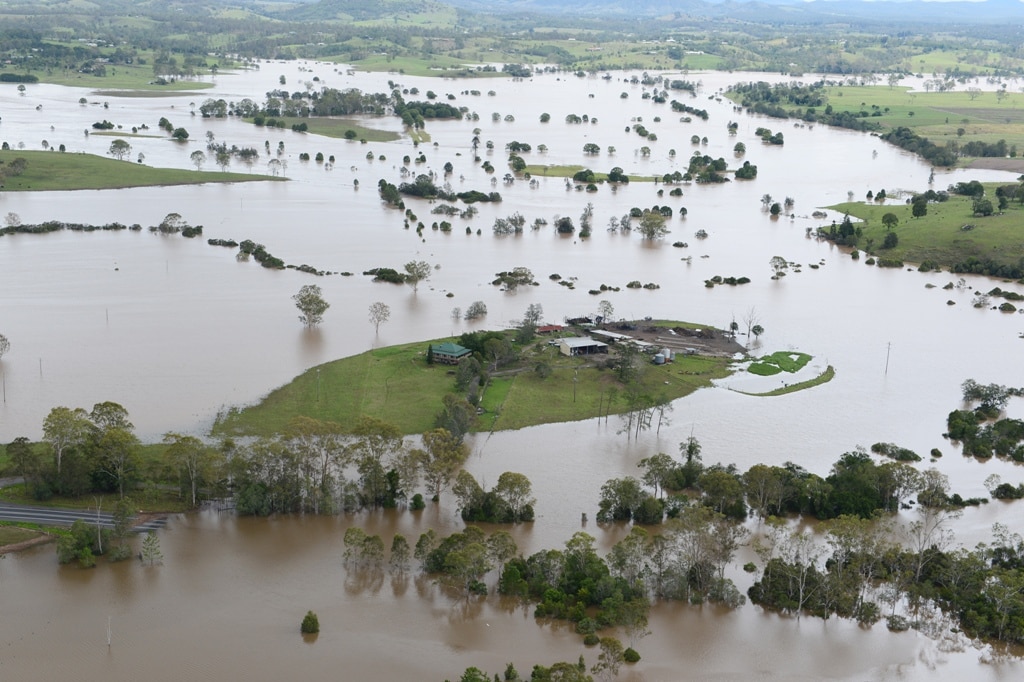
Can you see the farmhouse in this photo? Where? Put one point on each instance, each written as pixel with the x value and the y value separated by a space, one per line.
pixel 449 353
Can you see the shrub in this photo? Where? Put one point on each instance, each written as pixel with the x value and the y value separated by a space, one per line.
pixel 310 624
pixel 417 503
pixel 895 452
pixel 591 639
pixel 586 626
pixel 630 655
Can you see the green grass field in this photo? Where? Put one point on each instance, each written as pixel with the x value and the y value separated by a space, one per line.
pixel 939 116
pixel 938 236
pixel 396 385
pixel 337 127
pixel 567 171
pixel 55 171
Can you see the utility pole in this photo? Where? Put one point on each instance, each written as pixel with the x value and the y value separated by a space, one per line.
pixel 888 347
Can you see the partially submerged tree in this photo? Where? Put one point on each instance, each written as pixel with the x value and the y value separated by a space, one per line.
pixel 311 304
pixel 380 313
pixel 652 225
pixel 120 149
pixel 417 271
pixel 779 266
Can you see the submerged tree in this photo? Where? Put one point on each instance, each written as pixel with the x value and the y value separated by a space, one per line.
pixel 417 271
pixel 311 304
pixel 380 313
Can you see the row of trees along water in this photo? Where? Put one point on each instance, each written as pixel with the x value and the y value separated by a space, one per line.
pixel 864 563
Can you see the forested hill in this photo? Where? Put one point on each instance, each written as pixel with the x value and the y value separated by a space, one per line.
pixel 359 10
pixel 766 10
pixel 1009 13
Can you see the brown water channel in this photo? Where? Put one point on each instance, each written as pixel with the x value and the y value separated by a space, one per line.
pixel 175 330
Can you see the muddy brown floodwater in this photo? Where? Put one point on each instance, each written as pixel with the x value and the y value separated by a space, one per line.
pixel 176 330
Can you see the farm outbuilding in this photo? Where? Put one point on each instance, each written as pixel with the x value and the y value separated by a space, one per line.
pixel 581 345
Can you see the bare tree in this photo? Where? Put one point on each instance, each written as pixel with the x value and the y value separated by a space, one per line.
pixel 379 313
pixel 5 346
pixel 751 320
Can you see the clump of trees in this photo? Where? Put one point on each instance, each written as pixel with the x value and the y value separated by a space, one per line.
pixel 509 501
pixel 861 572
pixel 321 468
pixel 979 430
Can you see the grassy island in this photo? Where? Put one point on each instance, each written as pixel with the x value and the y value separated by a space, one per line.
pixel 334 127
pixel 950 235
pixel 396 384
pixel 57 171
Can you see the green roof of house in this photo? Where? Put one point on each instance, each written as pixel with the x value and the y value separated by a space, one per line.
pixel 449 348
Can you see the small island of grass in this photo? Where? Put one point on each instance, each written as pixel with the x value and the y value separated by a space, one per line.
pixel 780 361
pixel 514 384
pixel 56 171
pixel 340 128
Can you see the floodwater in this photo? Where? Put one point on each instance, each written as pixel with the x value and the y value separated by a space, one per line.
pixel 176 330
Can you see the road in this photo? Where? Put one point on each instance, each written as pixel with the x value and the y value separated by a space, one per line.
pixel 50 516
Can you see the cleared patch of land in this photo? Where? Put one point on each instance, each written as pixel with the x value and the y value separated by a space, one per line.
pixel 56 171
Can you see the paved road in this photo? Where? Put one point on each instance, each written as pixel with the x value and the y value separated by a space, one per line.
pixel 49 516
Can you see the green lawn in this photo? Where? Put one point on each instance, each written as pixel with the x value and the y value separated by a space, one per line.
pixel 938 236
pixel 50 171
pixel 396 385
